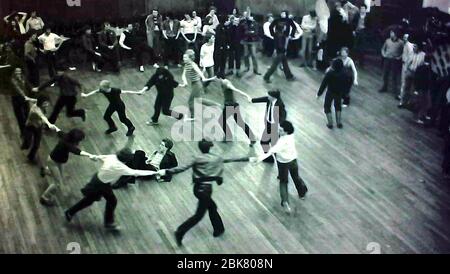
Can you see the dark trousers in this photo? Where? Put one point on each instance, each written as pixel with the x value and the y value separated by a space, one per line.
pixel 268 46
pixel 103 191
pixel 69 102
pixel 139 50
pixel 279 58
pixel 163 102
pixel 347 88
pixel 94 58
pixel 234 110
pixel 220 60
pixel 234 56
pixel 33 73
pixel 50 59
pixel 32 138
pixel 332 98
pixel 21 110
pixel 120 112
pixel 391 69
pixel 205 203
pixel 269 136
pixel 110 56
pixel 284 169
pixel 172 51
pixel 250 53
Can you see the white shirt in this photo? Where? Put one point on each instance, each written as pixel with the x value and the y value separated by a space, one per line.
pixel 308 23
pixel 408 51
pixel 34 24
pixel 270 113
pixel 198 23
pixel 208 29
pixel 188 27
pixel 112 169
pixel 207 55
pixel 49 42
pixel 284 149
pixel 266 29
pixel 416 60
pixel 155 159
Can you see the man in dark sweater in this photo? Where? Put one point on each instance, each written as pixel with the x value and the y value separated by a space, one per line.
pixel 68 91
pixel 281 39
pixel 221 47
pixel 93 55
pixel 115 105
pixel 206 169
pixel 165 83
pixel 131 40
pixel 109 46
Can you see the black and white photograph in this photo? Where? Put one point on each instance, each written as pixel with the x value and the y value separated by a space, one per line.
pixel 224 127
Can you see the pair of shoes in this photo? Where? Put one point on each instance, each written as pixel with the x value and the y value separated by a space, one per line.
pixel 344 105
pixel 287 208
pixel 151 123
pixel 302 197
pixel 218 233
pixel 130 131
pixel 340 126
pixel 398 97
pixel 155 65
pixel 46 202
pixel 141 68
pixel 329 126
pixel 178 238
pixel 68 216
pixel 112 227
pixel 110 130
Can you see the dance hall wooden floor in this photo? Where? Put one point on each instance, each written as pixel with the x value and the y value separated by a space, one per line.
pixel 376 182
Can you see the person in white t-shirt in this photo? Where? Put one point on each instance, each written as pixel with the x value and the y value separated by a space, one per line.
pixel 268 44
pixel 189 32
pixel 309 26
pixel 286 155
pixel 51 43
pixel 198 21
pixel 207 58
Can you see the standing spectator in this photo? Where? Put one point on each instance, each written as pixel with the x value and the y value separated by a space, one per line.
pixel 130 40
pixel 198 21
pixel 411 64
pixel 309 26
pixel 212 14
pixel 51 43
pixel 361 23
pixel 207 59
pixel 34 23
pixel 189 33
pixel 268 45
pixel 221 47
pixel 153 22
pixel 17 22
pixel 281 38
pixel 392 53
pixel 30 54
pixel 109 49
pixel 422 83
pixel 171 32
pixel 408 52
pixel 250 40
pixel 89 47
pixel 351 75
pixel 235 53
pixel 19 99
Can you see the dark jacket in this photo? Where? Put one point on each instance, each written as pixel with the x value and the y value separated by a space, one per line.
pixel 250 31
pixel 163 80
pixel 284 23
pixel 334 81
pixel 280 115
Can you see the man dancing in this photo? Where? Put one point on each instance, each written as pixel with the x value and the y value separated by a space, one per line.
pixel 115 104
pixel 207 168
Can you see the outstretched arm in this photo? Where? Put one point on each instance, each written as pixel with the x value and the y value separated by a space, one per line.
pixel 233 160
pixel 132 92
pixel 90 93
pixel 233 88
pixel 184 79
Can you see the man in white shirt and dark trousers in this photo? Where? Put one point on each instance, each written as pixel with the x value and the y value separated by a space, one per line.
pixel 112 169
pixel 268 43
pixel 309 25
pixel 51 43
pixel 286 155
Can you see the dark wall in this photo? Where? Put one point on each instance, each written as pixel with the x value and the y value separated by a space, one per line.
pixel 100 8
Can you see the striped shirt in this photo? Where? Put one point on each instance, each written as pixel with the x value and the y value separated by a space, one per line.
pixel 191 74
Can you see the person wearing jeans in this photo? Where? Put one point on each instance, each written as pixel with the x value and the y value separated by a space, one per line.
pixel 286 155
pixel 309 25
pixel 392 53
pixel 281 40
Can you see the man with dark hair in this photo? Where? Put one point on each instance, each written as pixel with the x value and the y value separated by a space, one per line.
pixel 165 83
pixel 154 24
pixel 31 54
pixel 309 26
pixel 171 32
pixel 89 46
pixel 286 154
pixel 206 168
pixel 109 49
pixel 19 99
pixel 113 167
pixel 68 91
pixel 130 40
pixel 51 43
pixel 392 55
pixel 274 115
